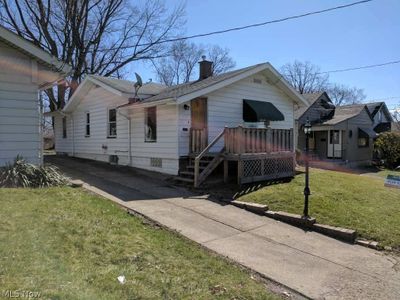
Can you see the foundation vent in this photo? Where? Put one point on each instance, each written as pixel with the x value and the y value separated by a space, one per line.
pixel 156 162
pixel 113 159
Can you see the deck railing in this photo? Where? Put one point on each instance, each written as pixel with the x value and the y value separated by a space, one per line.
pixel 241 140
pixel 198 140
pixel 270 153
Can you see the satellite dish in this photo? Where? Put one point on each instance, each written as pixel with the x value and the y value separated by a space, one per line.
pixel 138 84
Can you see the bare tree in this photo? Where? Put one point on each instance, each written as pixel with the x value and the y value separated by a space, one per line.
pixel 222 62
pixel 179 66
pixel 305 77
pixel 342 95
pixel 94 36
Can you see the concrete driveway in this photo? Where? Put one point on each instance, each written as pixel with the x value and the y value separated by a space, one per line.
pixel 314 265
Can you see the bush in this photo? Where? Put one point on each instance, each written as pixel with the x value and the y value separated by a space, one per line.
pixel 388 147
pixel 23 174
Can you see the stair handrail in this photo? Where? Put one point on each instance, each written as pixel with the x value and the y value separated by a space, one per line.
pixel 201 154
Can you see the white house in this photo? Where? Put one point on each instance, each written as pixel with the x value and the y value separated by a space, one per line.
pixel 24 70
pixel 161 128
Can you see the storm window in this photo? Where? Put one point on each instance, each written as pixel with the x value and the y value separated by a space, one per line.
pixel 112 123
pixel 150 124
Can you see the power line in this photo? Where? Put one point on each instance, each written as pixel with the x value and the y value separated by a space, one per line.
pixel 362 67
pixel 247 26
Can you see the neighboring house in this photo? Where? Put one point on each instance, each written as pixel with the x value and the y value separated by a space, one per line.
pixel 380 114
pixel 24 70
pixel 344 133
pixel 164 128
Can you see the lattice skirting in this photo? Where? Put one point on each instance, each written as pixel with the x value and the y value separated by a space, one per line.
pixel 266 168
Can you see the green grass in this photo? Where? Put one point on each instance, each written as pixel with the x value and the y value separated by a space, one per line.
pixel 340 199
pixel 69 244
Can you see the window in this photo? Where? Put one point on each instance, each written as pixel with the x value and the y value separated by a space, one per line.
pixel 379 116
pixel 150 126
pixel 334 139
pixel 112 123
pixel 87 132
pixel 363 138
pixel 363 142
pixel 64 127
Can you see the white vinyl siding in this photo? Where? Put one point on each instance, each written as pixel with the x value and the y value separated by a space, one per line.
pixel 19 108
pixel 98 102
pixel 166 145
pixel 225 108
pixel 98 147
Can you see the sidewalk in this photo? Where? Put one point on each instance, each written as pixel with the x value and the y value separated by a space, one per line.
pixel 312 264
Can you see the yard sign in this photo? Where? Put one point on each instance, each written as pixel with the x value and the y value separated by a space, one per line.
pixel 392 181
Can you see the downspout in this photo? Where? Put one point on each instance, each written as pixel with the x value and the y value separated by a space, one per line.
pixel 73 135
pixel 41 128
pixel 129 135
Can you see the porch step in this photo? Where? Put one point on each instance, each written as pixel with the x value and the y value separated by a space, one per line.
pixel 187 173
pixel 191 167
pixel 203 161
pixel 184 179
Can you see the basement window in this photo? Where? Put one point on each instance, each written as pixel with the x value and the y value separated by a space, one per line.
pixel 156 162
pixel 150 126
pixel 64 127
pixel 113 159
pixel 112 123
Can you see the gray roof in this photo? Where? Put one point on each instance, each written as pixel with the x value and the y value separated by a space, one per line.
pixel 127 86
pixel 311 97
pixel 373 107
pixel 179 90
pixel 345 112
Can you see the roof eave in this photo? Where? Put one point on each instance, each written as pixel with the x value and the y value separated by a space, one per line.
pixel 295 95
pixel 221 84
pixel 32 50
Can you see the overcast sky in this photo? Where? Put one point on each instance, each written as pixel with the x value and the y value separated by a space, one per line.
pixel 360 35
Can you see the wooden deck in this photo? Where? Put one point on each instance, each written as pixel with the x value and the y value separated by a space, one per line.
pixel 260 153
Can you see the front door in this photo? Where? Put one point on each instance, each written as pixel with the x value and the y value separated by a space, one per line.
pixel 335 144
pixel 199 131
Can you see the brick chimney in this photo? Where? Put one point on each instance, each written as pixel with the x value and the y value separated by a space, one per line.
pixel 205 68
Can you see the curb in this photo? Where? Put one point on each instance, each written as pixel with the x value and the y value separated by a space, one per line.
pixel 256 208
pixel 343 234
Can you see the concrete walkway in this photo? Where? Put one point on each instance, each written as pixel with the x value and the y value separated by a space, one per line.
pixel 312 264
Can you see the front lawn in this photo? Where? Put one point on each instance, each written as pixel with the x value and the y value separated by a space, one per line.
pixel 68 244
pixel 340 199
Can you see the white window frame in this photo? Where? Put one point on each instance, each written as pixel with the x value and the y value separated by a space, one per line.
pixel 64 127
pixel 111 122
pixel 146 138
pixel 87 124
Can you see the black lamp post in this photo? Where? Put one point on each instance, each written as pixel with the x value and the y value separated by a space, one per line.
pixel 307 131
